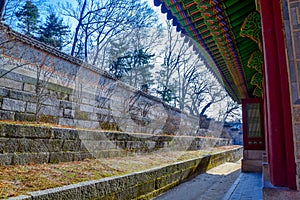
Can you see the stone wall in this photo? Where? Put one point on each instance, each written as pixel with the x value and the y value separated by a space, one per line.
pixel 23 144
pixel 139 185
pixel 291 13
pixel 40 81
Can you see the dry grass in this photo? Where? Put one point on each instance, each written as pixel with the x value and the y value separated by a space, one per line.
pixel 17 180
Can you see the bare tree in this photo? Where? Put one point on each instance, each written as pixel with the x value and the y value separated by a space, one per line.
pixel 187 73
pixel 173 57
pixel 231 110
pixel 100 20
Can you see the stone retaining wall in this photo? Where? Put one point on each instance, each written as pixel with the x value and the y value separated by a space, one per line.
pixel 23 144
pixel 140 185
pixel 74 93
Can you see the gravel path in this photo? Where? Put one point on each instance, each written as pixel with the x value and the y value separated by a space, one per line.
pixel 212 185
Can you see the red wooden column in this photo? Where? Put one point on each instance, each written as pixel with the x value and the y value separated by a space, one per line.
pixel 279 133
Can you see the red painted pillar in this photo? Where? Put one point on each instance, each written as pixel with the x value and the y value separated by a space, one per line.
pixel 280 145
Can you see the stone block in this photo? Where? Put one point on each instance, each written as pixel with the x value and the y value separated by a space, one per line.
pixel 52 102
pixel 7 115
pixel 65 134
pixel 93 117
pixel 67 122
pixel 31 107
pixel 297 132
pixel 68 113
pixel 81 115
pixel 11 84
pixel 296 113
pixel 251 165
pixel 52 145
pixel 67 104
pixel 23 96
pixel 6 159
pixel 56 157
pixel 4 92
pixel 35 132
pixel 71 145
pixel 92 135
pixel 27 158
pixel 8 145
pixel 87 124
pixel 48 119
pixel 24 117
pixel 86 108
pixel 253 154
pixel 82 155
pixel 29 87
pixel 13 105
pixel 50 110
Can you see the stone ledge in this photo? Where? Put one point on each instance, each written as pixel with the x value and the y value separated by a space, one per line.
pixel 139 185
pixel 66 144
pixel 271 192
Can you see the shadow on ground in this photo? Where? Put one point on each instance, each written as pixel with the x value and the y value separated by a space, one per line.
pixel 212 185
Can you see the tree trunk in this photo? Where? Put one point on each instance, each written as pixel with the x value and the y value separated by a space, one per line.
pixel 2 6
pixel 78 28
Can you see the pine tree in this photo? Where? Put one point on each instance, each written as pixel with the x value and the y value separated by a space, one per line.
pixel 134 68
pixel 53 32
pixel 28 18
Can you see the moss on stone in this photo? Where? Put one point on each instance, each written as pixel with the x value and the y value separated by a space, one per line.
pixel 48 119
pixel 81 115
pixel 24 117
pixel 109 126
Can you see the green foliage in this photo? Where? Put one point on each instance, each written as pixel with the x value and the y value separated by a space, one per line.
pixel 166 94
pixel 53 32
pixel 133 67
pixel 28 18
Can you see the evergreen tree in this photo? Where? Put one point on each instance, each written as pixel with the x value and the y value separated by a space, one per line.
pixel 28 18
pixel 134 68
pixel 53 32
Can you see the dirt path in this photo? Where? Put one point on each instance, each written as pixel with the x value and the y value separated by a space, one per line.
pixel 212 185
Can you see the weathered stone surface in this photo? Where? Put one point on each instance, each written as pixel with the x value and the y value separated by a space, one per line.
pixel 56 157
pixel 51 111
pixel 8 145
pixel 65 134
pixel 13 105
pixel 7 115
pixel 4 92
pixel 11 84
pixel 87 124
pixel 52 145
pixel 66 104
pixel 82 155
pixel 86 108
pixel 21 197
pixel 23 96
pixel 31 107
pixel 67 122
pixel 26 158
pixel 68 113
pixel 71 145
pixel 133 185
pixel 29 87
pixel 6 159
pixel 52 102
pixel 24 117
